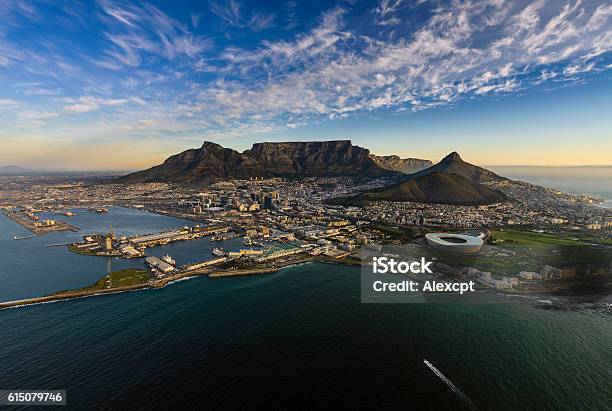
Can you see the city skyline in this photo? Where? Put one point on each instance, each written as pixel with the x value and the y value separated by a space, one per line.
pixel 112 85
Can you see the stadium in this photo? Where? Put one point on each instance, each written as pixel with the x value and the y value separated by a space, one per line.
pixel 455 243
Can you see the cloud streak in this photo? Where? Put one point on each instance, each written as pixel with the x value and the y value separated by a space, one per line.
pixel 141 63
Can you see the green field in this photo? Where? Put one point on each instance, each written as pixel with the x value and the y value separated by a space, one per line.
pixel 516 251
pixel 121 278
pixel 531 238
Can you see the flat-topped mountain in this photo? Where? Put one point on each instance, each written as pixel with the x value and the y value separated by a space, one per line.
pixel 314 158
pixel 453 164
pixel 403 165
pixel 213 162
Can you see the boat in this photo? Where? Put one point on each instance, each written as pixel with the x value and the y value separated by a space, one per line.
pixel 168 260
pixel 247 241
pixel 218 252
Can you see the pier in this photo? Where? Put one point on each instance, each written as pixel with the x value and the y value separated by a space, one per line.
pixel 31 223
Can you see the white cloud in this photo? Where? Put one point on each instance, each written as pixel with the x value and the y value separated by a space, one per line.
pixel 87 104
pixel 143 28
pixel 7 102
pixel 384 13
pixel 334 70
pixel 231 14
pixel 336 67
pixel 38 115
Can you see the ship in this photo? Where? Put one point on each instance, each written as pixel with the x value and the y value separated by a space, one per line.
pixel 168 260
pixel 218 252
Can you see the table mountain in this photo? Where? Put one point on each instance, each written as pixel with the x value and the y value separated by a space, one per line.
pixel 213 162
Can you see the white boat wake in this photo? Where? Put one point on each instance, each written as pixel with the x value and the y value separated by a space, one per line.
pixel 450 384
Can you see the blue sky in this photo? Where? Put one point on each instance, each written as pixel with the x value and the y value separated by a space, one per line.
pixel 107 84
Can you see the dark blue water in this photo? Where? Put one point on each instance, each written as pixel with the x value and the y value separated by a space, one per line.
pixel 30 269
pixel 299 338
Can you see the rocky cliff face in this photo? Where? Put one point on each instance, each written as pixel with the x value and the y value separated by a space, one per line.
pixel 403 165
pixel 213 162
pixel 314 158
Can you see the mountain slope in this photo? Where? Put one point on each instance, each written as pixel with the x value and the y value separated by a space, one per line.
pixel 435 187
pixel 403 165
pixel 213 162
pixel 453 164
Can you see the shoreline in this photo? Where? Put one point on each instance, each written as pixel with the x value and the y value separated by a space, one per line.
pixel 156 284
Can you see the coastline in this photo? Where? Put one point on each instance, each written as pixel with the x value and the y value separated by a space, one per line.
pixel 156 284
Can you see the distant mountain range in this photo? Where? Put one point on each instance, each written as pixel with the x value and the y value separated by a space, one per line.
pixel 213 162
pixel 21 171
pixel 451 181
pixel 14 171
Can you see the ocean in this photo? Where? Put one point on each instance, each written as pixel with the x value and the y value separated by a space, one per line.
pixel 593 180
pixel 299 338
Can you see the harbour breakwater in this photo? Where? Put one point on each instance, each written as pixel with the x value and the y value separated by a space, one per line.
pixel 160 283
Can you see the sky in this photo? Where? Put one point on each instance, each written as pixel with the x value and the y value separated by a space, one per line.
pixel 106 84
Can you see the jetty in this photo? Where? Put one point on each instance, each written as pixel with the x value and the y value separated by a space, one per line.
pixel 57 245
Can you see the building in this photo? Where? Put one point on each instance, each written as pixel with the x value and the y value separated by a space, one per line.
pixel 279 251
pixel 159 265
pixel 244 252
pixel 454 243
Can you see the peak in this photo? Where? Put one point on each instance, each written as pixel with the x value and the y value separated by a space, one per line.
pixel 454 156
pixel 210 145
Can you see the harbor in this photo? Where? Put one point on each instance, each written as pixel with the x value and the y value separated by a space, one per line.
pixel 30 221
pixel 112 245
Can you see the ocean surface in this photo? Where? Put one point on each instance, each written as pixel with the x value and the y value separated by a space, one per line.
pixel 31 269
pixel 593 180
pixel 299 338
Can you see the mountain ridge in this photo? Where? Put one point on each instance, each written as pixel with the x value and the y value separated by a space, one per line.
pixel 213 162
pixel 403 165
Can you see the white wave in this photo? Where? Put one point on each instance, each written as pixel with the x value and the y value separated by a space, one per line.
pixel 450 384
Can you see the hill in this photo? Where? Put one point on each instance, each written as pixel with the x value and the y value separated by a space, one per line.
pixel 435 187
pixel 454 164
